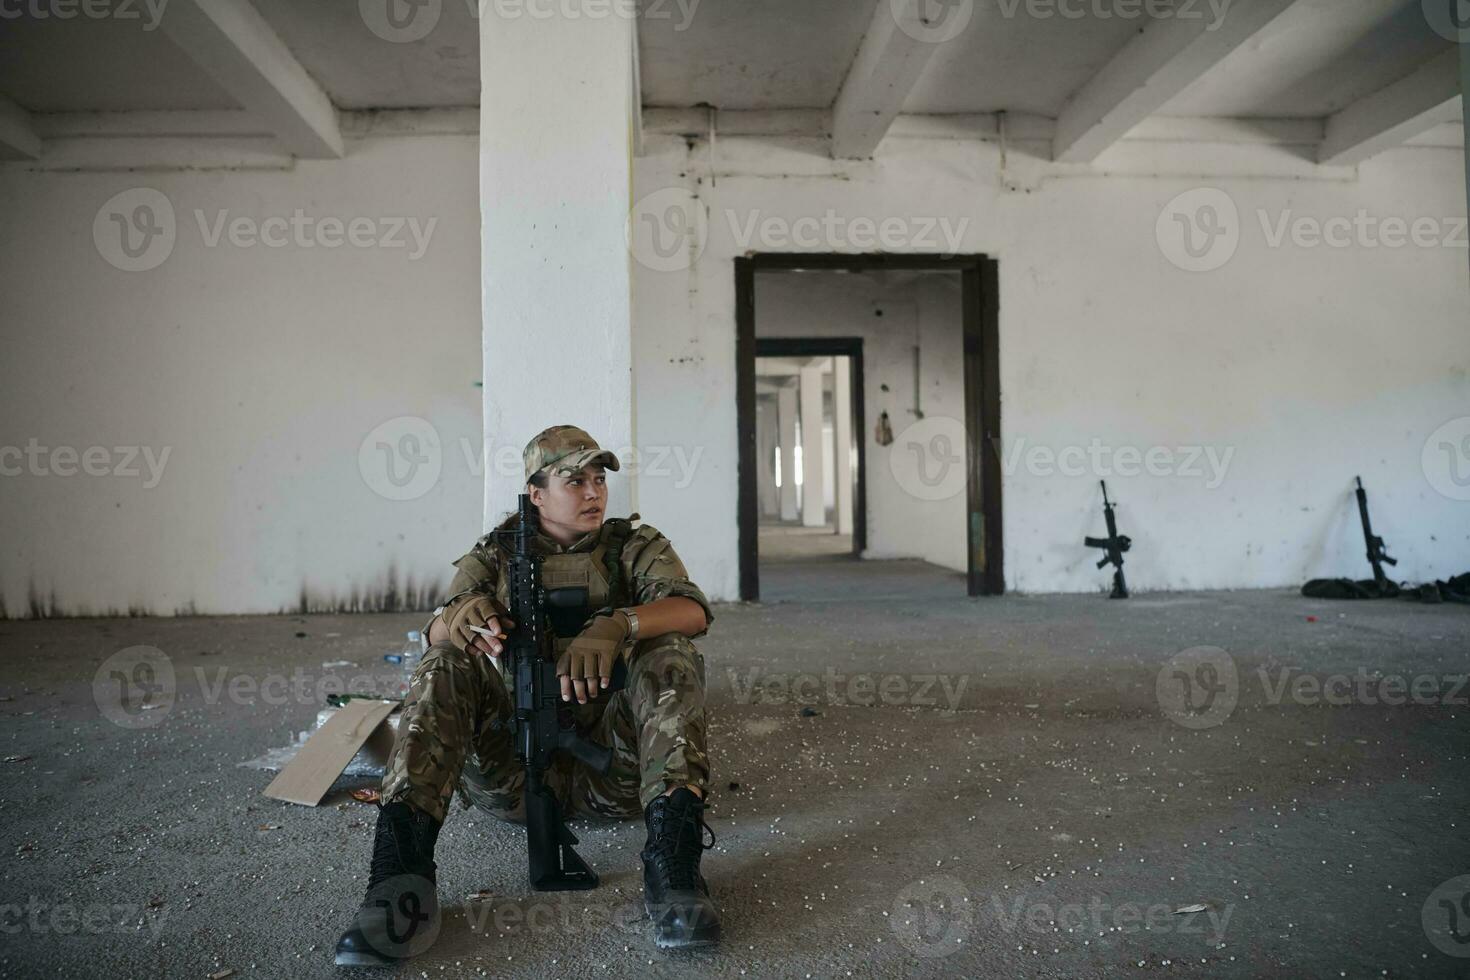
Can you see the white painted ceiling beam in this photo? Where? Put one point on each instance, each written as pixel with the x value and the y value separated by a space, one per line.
pixel 231 41
pixel 889 62
pixel 17 135
pixel 1390 116
pixel 1157 64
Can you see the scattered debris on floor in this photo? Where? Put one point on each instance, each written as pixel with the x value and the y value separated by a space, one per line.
pixel 368 762
pixel 359 728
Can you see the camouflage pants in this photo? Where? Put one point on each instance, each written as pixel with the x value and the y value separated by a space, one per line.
pixel 454 734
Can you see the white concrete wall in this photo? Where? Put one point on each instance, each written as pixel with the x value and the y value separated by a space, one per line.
pixel 1308 365
pixel 925 310
pixel 261 372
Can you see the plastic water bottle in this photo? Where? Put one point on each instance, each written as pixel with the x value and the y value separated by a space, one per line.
pixel 408 660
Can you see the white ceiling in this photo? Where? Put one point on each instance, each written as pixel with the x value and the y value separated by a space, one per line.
pixel 1321 56
pixel 1315 59
pixel 751 54
pixel 735 54
pixel 1017 63
pixel 99 65
pixel 359 70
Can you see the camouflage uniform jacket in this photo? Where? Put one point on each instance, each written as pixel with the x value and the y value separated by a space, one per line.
pixel 647 568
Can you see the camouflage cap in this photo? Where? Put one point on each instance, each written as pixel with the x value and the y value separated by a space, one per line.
pixel 566 449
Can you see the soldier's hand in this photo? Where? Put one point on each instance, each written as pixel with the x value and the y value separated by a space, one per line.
pixel 477 623
pixel 587 663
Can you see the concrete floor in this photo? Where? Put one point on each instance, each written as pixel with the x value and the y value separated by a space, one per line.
pixel 785 541
pixel 1031 831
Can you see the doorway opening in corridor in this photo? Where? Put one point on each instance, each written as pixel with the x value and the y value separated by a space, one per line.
pixel 809 412
pixel 868 403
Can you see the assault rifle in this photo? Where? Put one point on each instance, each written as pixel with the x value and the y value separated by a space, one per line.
pixel 1377 556
pixel 1113 546
pixel 542 723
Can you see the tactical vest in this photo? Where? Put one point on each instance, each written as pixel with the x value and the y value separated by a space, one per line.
pixel 580 583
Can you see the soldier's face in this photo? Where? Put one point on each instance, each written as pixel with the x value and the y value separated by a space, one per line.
pixel 575 504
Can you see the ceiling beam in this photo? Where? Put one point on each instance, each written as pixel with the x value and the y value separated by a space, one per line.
pixel 1388 117
pixel 17 135
pixel 889 62
pixel 231 41
pixel 1157 64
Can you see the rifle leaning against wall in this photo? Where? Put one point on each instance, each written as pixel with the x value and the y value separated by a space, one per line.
pixel 1377 555
pixel 1380 586
pixel 1114 546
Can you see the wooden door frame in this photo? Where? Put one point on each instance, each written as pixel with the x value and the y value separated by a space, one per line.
pixel 980 315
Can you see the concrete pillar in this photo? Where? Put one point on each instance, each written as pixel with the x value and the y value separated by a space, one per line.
pixel 813 504
pixel 766 440
pixel 829 453
pixel 786 410
pixel 555 168
pixel 842 437
pixel 1465 98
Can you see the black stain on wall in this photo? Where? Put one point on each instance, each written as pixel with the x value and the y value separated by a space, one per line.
pixel 390 595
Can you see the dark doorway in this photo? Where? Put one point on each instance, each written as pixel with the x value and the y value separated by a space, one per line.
pixel 980 304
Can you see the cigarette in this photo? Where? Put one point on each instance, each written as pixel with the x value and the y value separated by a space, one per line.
pixel 484 632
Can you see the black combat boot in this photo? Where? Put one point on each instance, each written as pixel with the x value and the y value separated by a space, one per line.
pixel 399 916
pixel 674 892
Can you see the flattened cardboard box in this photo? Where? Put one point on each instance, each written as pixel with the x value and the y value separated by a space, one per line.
pixel 307 777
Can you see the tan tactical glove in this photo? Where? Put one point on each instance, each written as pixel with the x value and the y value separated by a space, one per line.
pixel 591 656
pixel 482 611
